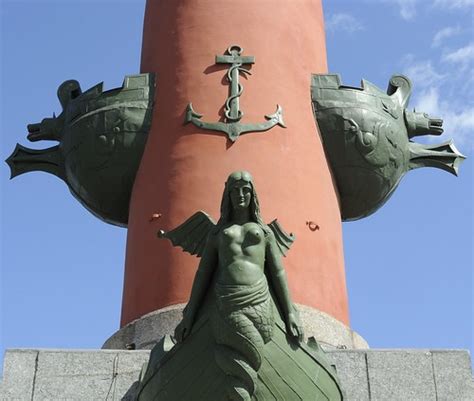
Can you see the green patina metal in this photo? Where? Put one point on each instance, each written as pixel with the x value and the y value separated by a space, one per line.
pixel 240 330
pixel 366 134
pixel 236 60
pixel 232 127
pixel 102 136
pixel 367 137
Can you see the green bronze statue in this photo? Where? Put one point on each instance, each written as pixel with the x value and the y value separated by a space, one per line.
pixel 102 136
pixel 239 320
pixel 237 250
pixel 367 137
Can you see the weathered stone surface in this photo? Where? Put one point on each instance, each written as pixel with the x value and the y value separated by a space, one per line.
pixel 149 331
pixel 401 375
pixel 146 331
pixel 129 367
pixel 19 368
pixel 358 341
pixel 328 331
pixel 75 375
pixel 71 375
pixel 351 367
pixel 452 372
pixel 365 375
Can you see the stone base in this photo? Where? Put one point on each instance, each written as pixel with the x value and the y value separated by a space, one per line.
pixel 370 375
pixel 146 331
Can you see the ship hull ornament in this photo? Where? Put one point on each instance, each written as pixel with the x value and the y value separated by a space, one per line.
pixel 367 137
pixel 233 114
pixel 102 136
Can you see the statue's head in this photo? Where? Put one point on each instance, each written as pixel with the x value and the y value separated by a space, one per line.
pixel 239 192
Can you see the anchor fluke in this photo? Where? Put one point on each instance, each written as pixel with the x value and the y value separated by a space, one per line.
pixel 444 156
pixel 277 117
pixel 191 114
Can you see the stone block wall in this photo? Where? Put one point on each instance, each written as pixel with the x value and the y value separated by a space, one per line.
pixel 109 375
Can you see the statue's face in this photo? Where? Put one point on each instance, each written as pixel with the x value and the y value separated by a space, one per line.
pixel 241 195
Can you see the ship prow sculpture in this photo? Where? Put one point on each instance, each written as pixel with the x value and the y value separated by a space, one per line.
pixel 188 371
pixel 240 330
pixel 102 136
pixel 367 138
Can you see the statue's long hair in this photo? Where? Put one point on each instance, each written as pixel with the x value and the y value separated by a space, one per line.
pixel 226 205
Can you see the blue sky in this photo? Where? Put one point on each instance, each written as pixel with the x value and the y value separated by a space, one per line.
pixel 409 266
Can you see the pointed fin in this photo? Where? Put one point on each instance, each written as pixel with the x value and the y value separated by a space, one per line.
pixel 444 156
pixel 283 240
pixel 24 160
pixel 192 234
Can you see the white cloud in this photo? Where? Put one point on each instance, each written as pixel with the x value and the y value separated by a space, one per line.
pixel 444 34
pixel 454 3
pixel 343 22
pixel 462 57
pixel 458 120
pixel 421 73
pixel 428 102
pixel 406 8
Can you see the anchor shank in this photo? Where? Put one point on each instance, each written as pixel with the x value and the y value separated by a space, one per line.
pixel 234 93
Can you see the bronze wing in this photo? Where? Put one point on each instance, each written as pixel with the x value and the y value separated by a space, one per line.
pixel 283 239
pixel 192 234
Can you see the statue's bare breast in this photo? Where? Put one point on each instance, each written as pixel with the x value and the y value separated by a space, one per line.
pixel 241 254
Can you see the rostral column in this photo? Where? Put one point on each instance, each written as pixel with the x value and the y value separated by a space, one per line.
pixel 183 166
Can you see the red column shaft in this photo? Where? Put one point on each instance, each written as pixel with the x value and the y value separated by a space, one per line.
pixel 184 168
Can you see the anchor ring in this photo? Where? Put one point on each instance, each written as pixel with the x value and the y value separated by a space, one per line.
pixel 235 48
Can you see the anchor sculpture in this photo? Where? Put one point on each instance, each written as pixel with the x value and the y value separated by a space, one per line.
pixel 232 127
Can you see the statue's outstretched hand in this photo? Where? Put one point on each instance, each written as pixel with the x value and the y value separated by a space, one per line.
pixel 183 329
pixel 294 327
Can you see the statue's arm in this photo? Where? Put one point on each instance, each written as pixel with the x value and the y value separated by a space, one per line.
pixel 201 283
pixel 280 286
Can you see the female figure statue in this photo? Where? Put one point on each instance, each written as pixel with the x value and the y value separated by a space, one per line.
pixel 240 338
pixel 240 253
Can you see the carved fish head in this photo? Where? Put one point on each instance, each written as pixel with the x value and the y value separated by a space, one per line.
pixel 422 124
pixel 51 129
pixel 48 129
